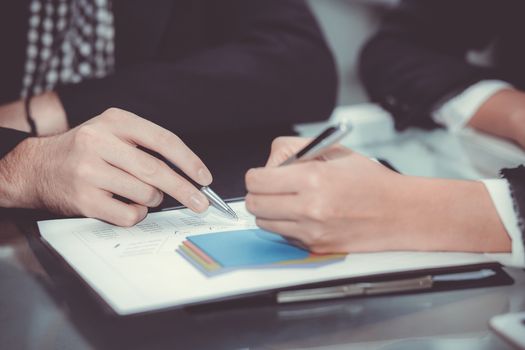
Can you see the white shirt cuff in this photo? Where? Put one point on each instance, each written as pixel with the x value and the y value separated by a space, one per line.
pixel 457 112
pixel 501 197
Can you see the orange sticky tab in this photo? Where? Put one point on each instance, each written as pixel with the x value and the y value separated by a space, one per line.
pixel 199 252
pixel 198 260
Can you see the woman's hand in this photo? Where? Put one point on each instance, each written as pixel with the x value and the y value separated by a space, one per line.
pixel 327 204
pixel 349 203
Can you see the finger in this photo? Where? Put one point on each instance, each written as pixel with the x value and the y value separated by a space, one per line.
pixel 285 147
pixel 154 137
pixel 282 180
pixel 121 183
pixel 294 233
pixel 113 211
pixel 156 173
pixel 287 228
pixel 273 207
pixel 335 152
pixel 297 243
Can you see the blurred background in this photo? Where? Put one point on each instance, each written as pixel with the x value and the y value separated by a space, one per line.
pixel 465 154
pixel 347 25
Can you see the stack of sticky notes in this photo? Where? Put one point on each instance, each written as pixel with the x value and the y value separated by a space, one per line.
pixel 218 252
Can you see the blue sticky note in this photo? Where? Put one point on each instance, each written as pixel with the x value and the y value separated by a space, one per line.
pixel 247 248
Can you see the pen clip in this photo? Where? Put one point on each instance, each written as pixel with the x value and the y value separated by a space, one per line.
pixel 355 289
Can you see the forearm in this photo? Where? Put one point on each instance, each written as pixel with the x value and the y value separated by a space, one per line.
pixel 449 215
pixel 12 117
pixel 46 111
pixel 502 115
pixel 17 184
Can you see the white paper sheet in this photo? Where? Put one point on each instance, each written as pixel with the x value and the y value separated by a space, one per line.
pixel 138 269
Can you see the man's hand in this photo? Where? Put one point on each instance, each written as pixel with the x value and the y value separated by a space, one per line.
pixel 79 172
pixel 349 203
pixel 503 115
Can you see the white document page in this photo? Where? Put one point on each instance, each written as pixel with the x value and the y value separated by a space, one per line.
pixel 138 269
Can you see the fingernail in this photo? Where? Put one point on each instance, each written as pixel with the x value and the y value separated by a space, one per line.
pixel 198 201
pixel 204 176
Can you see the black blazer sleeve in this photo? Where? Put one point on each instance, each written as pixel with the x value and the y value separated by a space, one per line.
pixel 269 66
pixel 417 59
pixel 9 139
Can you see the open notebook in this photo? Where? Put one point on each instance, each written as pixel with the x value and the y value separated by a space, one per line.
pixel 139 269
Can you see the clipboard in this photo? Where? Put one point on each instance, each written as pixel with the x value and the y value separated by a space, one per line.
pixel 411 282
pixel 344 284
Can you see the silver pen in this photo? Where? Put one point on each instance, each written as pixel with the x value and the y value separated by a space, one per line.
pixel 215 201
pixel 218 202
pixel 327 138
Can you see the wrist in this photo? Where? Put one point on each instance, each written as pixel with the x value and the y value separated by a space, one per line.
pixel 502 115
pixel 19 176
pixel 451 215
pixel 516 122
pixel 394 215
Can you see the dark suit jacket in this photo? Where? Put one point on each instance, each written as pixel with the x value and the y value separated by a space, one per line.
pixel 418 60
pixel 418 57
pixel 196 66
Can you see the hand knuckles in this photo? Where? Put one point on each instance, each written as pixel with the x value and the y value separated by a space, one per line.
pixel 151 167
pixel 263 224
pixel 250 203
pixel 321 249
pixel 130 217
pixel 86 135
pixel 114 114
pixel 313 178
pixel 316 212
pixel 183 189
pixel 151 196
pixel 313 237
pixel 167 139
pixel 84 170
pixel 250 179
pixel 158 199
pixel 278 142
